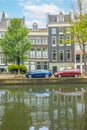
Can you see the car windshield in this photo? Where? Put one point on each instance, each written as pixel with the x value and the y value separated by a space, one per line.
pixel 39 70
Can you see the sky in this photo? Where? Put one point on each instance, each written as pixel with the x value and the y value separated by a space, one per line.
pixel 34 10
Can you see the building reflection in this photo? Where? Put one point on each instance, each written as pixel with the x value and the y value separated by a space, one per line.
pixel 51 110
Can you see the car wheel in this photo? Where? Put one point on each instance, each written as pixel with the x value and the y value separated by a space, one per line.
pixel 75 75
pixel 59 75
pixel 30 76
pixel 46 76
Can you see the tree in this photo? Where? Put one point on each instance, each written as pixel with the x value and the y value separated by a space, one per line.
pixel 15 43
pixel 80 28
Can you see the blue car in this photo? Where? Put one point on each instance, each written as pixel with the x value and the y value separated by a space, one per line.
pixel 39 74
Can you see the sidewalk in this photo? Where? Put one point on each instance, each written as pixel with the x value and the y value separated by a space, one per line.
pixel 2 76
pixel 7 76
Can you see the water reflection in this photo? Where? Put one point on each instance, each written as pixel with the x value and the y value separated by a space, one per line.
pixel 47 109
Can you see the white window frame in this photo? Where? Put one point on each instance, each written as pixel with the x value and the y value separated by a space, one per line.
pixel 61 51
pixel 61 18
pixel 53 30
pixel 68 53
pixel 68 38
pixel 32 39
pixel 61 40
pixel 60 30
pixel 2 59
pixel 53 41
pixel 45 53
pixel 44 40
pixel 38 40
pixel 32 53
pixel 68 30
pixel 54 52
pixel 38 53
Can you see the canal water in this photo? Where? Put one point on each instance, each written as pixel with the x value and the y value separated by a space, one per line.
pixel 43 107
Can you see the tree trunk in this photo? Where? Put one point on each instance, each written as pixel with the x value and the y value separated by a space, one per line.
pixel 18 62
pixel 84 59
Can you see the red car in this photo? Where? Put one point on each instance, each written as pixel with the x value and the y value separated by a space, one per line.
pixel 68 73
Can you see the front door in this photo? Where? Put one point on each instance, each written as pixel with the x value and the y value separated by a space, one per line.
pixel 54 69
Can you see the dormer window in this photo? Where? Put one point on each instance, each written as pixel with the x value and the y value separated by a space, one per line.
pixel 60 18
pixel 35 26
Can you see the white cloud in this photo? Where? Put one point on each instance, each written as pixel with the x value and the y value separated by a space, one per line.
pixel 41 9
pixel 34 10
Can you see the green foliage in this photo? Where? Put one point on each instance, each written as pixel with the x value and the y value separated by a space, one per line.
pixel 13 68
pixel 80 30
pixel 15 43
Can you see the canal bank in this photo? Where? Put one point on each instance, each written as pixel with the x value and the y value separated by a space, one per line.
pixel 40 81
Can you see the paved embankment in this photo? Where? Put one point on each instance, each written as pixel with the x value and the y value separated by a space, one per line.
pixel 14 79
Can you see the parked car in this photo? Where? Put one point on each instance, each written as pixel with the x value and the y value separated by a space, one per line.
pixel 39 74
pixel 68 73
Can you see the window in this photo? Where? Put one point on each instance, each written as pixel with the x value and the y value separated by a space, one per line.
pixel 60 30
pixel 44 40
pixel 68 40
pixel 77 46
pixel 38 40
pixel 84 58
pixel 32 39
pixel 32 66
pixel 61 40
pixel 78 67
pixel 2 34
pixel 38 53
pixel 54 55
pixel 61 55
pixel 45 53
pixel 61 18
pixel 68 55
pixel 32 53
pixel 35 26
pixel 68 30
pixel 2 59
pixel 45 65
pixel 38 65
pixel 78 58
pixel 53 30
pixel 53 41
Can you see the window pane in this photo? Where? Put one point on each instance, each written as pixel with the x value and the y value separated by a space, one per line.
pixel 61 41
pixel 68 40
pixel 78 58
pixel 45 53
pixel 54 55
pixel 32 39
pixel 61 55
pixel 38 40
pixel 53 40
pixel 53 30
pixel 38 53
pixel 32 53
pixel 38 65
pixel 44 40
pixel 68 54
pixel 45 65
